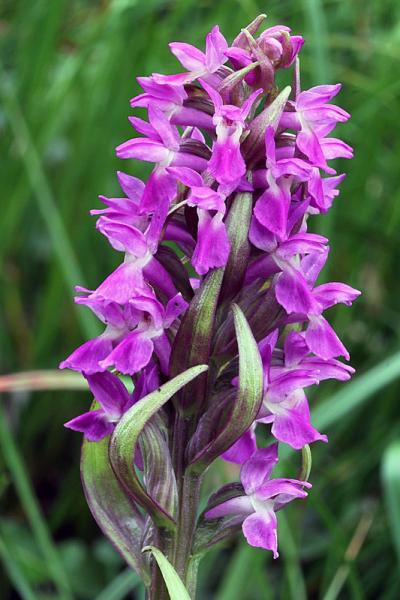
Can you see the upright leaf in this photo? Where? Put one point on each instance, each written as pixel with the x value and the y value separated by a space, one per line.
pixel 175 587
pixel 254 143
pixel 249 397
pixel 192 343
pixel 125 438
pixel 238 224
pixel 158 473
pixel 116 515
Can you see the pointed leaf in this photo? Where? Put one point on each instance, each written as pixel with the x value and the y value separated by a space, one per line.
pixel 238 224
pixel 192 343
pixel 125 437
pixel 249 398
pixel 254 143
pixel 158 473
pixel 117 516
pixel 175 587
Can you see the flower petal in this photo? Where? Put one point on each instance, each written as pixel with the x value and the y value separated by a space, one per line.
pixel 93 425
pixel 258 468
pixel 260 530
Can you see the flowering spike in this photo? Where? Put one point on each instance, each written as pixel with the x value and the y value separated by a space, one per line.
pixel 219 269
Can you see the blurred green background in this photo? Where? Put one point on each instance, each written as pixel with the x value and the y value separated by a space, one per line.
pixel 68 69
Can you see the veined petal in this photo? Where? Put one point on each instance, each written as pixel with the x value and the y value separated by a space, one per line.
pixel 143 149
pixel 243 449
pixel 329 294
pixel 212 248
pixel 293 292
pixel 110 392
pixel 289 487
pixel 189 56
pixel 131 186
pixel 258 468
pixel 131 355
pixel 92 424
pixel 122 284
pixel 322 339
pixel 272 208
pixel 216 46
pixel 260 530
pixel 292 425
pixel 123 237
pixel 86 358
pixel 317 95
pixel 168 133
pixel 234 506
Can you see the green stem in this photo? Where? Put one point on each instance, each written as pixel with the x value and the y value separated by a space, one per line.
pixel 188 507
pixel 178 547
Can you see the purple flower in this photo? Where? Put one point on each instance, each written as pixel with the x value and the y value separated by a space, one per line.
pixel 198 63
pixel 227 164
pixel 314 119
pixel 212 247
pixel 230 152
pixel 132 333
pixel 272 207
pixel 114 399
pixel 174 102
pixel 136 348
pixel 264 496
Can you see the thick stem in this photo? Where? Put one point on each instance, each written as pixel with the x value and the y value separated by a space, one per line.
pixel 188 507
pixel 189 485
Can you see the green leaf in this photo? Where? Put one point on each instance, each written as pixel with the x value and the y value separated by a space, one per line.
pixel 237 224
pixel 192 343
pixel 116 515
pixel 175 587
pixel 249 398
pixel 391 488
pixel 125 438
pixel 269 116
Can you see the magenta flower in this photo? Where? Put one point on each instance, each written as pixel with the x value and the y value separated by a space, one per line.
pixel 212 248
pixel 314 119
pixel 198 63
pixel 114 400
pixel 272 207
pixel 264 496
pixel 131 335
pixel 227 164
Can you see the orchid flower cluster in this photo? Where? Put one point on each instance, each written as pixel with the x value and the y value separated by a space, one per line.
pixel 214 322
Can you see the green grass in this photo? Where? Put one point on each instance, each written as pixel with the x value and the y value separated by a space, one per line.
pixel 68 70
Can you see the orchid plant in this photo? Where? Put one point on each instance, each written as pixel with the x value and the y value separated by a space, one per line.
pixel 214 321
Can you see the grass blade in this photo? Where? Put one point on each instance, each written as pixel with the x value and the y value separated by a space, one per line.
pixel 44 197
pixel 31 508
pixel 15 574
pixel 355 393
pixel 119 587
pixel 391 488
